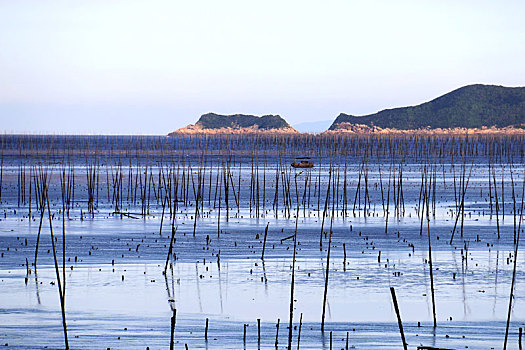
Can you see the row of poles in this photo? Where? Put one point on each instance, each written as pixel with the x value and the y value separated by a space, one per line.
pixel 172 183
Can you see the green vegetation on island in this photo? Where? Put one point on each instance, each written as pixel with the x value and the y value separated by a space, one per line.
pixel 218 121
pixel 472 106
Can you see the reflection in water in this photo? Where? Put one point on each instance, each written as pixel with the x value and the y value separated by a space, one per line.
pixel 265 278
pixel 36 288
pixel 496 284
pixel 220 291
pixel 170 291
pixel 197 278
pixel 102 305
pixel 358 302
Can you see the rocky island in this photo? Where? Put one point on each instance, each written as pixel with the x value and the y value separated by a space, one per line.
pixel 212 123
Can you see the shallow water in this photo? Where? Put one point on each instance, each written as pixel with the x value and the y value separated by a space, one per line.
pixel 118 297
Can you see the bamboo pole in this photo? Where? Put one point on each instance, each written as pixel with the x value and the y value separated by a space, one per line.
pixel 399 323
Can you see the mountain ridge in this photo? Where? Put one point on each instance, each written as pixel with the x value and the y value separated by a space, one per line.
pixel 471 106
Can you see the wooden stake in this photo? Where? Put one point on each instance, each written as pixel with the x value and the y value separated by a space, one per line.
pixel 277 333
pixel 264 242
pixel 173 318
pixel 206 330
pixel 399 323
pixel 299 333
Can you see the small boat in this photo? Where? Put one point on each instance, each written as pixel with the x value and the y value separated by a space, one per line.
pixel 303 162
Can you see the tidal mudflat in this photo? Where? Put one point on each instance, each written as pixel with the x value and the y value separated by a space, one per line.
pixel 217 242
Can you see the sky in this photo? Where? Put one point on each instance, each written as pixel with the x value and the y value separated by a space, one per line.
pixel 150 67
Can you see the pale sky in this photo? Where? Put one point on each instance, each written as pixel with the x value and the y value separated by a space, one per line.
pixel 149 67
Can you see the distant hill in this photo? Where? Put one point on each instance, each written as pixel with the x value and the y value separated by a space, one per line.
pixel 472 106
pixel 236 123
pixel 318 126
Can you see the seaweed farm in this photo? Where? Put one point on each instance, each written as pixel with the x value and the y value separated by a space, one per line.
pixel 217 242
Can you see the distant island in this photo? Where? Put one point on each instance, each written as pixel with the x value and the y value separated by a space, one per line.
pixel 481 107
pixel 472 109
pixel 212 123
